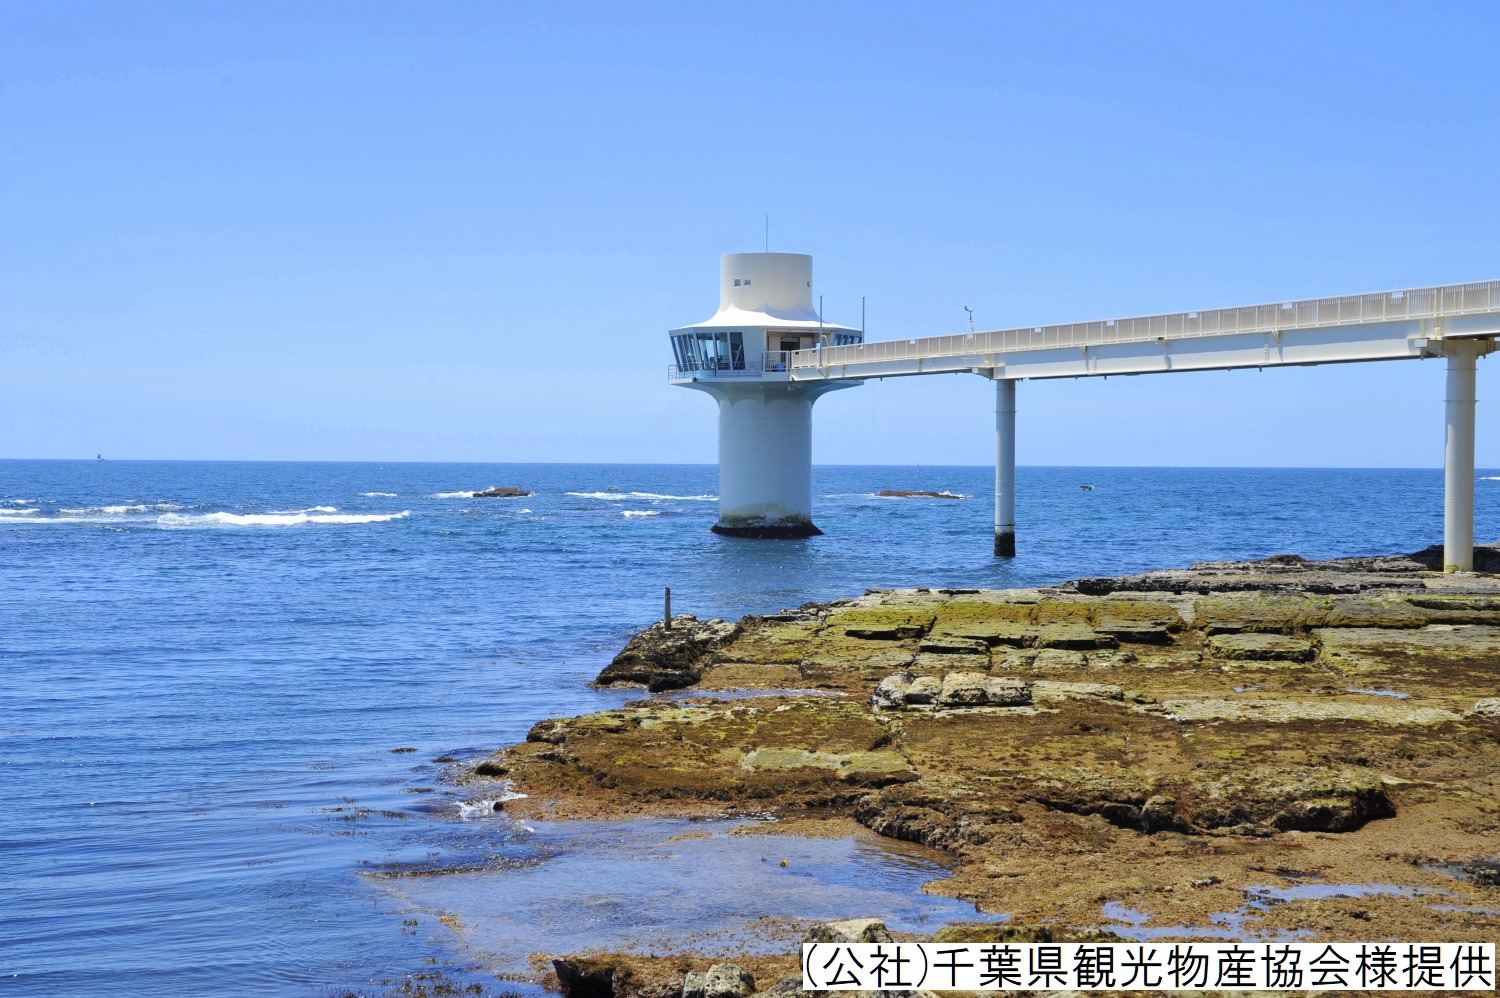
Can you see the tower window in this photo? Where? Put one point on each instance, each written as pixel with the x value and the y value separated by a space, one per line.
pixel 747 282
pixel 736 282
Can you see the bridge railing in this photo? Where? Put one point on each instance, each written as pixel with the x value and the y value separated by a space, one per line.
pixel 1417 303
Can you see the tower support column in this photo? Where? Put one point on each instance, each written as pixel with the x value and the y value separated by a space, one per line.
pixel 1005 468
pixel 1458 457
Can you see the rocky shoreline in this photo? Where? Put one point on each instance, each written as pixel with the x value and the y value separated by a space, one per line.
pixel 1280 746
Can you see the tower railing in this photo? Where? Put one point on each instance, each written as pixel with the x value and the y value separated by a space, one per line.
pixel 771 362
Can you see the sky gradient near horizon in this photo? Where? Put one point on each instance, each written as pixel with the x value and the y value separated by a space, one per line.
pixel 459 232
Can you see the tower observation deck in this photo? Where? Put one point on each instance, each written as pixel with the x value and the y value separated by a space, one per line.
pixel 1458 322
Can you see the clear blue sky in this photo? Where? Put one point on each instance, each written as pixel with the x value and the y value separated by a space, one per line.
pixel 460 231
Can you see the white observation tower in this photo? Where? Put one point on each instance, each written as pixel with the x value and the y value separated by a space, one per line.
pixel 742 356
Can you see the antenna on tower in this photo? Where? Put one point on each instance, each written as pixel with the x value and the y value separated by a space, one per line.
pixel 768 232
pixel 971 317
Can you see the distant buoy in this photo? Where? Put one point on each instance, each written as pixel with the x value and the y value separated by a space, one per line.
pixel 1087 488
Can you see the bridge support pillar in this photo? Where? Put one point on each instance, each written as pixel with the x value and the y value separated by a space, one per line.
pixel 1458 457
pixel 1005 468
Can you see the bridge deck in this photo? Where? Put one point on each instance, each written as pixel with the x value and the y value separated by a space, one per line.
pixel 1388 325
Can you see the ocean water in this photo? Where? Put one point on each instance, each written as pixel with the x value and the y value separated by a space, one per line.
pixel 208 667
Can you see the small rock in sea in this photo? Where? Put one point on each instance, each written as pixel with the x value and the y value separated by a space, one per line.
pixel 504 492
pixel 902 494
pixel 1486 708
pixel 722 980
pixel 856 930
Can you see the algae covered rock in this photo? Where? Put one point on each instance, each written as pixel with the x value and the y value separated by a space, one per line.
pixel 662 658
pixel 883 624
pixel 1257 647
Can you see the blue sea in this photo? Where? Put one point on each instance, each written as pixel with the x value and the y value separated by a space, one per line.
pixel 209 669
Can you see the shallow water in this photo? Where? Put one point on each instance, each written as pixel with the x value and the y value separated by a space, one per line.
pixel 669 886
pixel 206 667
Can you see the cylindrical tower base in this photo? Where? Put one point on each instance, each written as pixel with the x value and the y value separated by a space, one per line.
pixel 765 458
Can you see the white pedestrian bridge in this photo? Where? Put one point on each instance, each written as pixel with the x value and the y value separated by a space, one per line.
pixel 1458 322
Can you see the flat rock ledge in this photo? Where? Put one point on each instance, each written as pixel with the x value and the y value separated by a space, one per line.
pixel 1179 743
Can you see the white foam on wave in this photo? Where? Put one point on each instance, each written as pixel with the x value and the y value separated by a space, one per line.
pixel 452 495
pixel 382 495
pixel 641 512
pixel 18 512
pixel 479 807
pixel 275 519
pixel 156 507
pixel 641 495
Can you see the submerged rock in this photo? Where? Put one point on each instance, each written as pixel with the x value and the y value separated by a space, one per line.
pixel 504 492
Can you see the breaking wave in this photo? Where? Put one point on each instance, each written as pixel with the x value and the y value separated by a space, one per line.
pixel 481 806
pixel 641 512
pixel 276 519
pixel 18 512
pixel 641 495
pixel 382 495
pixel 156 507
pixel 453 495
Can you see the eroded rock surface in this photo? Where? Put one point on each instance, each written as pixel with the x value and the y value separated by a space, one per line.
pixel 1170 741
pixel 662 658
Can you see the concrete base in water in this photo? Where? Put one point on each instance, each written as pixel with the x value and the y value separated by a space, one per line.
pixel 769 531
pixel 1005 544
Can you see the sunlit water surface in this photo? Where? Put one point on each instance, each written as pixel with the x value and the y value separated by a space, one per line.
pixel 206 668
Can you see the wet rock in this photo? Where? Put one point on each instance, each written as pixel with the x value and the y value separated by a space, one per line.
pixel 944 818
pixel 1255 647
pixel 857 930
pixel 504 492
pixel 659 658
pixel 584 979
pixel 1485 872
pixel 722 980
pixel 552 731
